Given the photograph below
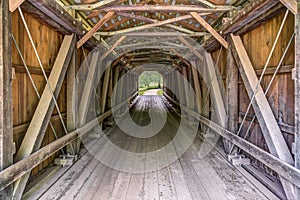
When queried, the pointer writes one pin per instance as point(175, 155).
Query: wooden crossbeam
point(210, 29)
point(40, 120)
point(158, 8)
point(87, 36)
point(186, 43)
point(268, 124)
point(112, 47)
point(147, 26)
point(291, 5)
point(14, 4)
point(90, 6)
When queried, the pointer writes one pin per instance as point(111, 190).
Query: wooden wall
point(258, 44)
point(25, 100)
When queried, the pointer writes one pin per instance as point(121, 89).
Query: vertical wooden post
point(105, 88)
point(197, 86)
point(72, 101)
point(6, 133)
point(297, 93)
point(232, 88)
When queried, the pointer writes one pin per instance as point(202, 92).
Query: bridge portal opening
point(150, 83)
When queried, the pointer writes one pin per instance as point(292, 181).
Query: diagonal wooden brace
point(40, 120)
point(262, 109)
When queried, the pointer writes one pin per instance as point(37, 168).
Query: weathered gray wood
point(160, 8)
point(6, 126)
point(95, 28)
point(22, 167)
point(271, 131)
point(210, 29)
point(216, 92)
point(40, 120)
point(72, 101)
point(88, 89)
point(232, 89)
point(105, 88)
point(297, 94)
point(197, 86)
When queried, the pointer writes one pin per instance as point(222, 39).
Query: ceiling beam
point(186, 43)
point(291, 5)
point(166, 34)
point(143, 27)
point(149, 20)
point(112, 47)
point(158, 8)
point(87, 36)
point(210, 29)
point(90, 6)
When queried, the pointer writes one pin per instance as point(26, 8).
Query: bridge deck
point(189, 177)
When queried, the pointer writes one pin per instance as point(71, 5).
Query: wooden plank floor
point(189, 177)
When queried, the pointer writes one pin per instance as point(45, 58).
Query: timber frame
point(128, 41)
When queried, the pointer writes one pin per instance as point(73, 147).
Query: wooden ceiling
point(150, 25)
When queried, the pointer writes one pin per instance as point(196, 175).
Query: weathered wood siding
point(258, 43)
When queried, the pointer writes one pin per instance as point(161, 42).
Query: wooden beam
point(88, 89)
point(23, 127)
point(158, 8)
point(104, 55)
point(210, 29)
point(297, 94)
point(186, 43)
point(150, 20)
point(248, 14)
point(271, 131)
point(40, 120)
point(216, 90)
point(197, 85)
point(147, 26)
point(232, 91)
point(72, 102)
point(105, 88)
point(291, 5)
point(14, 4)
point(22, 167)
point(6, 123)
point(97, 26)
point(90, 6)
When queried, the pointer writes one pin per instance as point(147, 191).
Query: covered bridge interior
point(74, 126)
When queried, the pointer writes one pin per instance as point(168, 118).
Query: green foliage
point(151, 79)
point(160, 92)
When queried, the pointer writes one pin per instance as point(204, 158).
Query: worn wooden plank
point(72, 101)
point(105, 54)
point(232, 89)
point(160, 8)
point(271, 131)
point(6, 123)
point(190, 46)
point(297, 94)
point(197, 86)
point(216, 89)
point(95, 28)
point(88, 89)
point(38, 125)
point(147, 26)
point(210, 29)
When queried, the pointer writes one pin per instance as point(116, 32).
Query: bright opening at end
point(150, 83)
